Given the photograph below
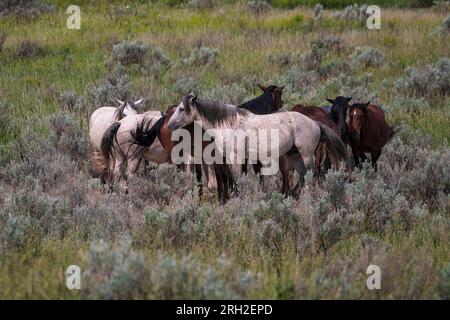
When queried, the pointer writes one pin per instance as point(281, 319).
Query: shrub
point(2, 39)
point(234, 94)
point(201, 57)
point(201, 4)
point(14, 232)
point(187, 278)
point(185, 84)
point(158, 61)
point(127, 53)
point(25, 8)
point(259, 7)
point(444, 28)
point(68, 100)
point(434, 79)
point(318, 8)
point(162, 183)
point(353, 12)
point(367, 57)
point(115, 85)
point(114, 273)
point(444, 283)
point(29, 49)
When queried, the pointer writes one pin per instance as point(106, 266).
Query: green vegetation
point(258, 245)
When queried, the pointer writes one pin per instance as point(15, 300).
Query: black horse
point(338, 113)
point(268, 102)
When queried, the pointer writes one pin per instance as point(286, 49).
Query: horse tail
point(107, 145)
point(144, 137)
point(335, 147)
point(98, 161)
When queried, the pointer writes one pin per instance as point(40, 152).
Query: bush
point(187, 278)
point(29, 49)
point(201, 4)
point(443, 29)
point(2, 39)
point(115, 85)
point(25, 8)
point(432, 80)
point(353, 12)
point(127, 53)
point(159, 61)
point(201, 57)
point(68, 100)
point(367, 57)
point(233, 94)
point(114, 273)
point(259, 7)
point(185, 84)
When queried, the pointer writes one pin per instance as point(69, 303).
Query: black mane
point(263, 104)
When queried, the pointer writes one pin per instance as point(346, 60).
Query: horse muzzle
point(173, 126)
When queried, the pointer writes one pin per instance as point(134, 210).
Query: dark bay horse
point(368, 131)
point(268, 102)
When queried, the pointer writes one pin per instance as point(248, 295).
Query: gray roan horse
point(99, 122)
point(116, 146)
point(297, 134)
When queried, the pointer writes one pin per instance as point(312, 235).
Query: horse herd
point(308, 138)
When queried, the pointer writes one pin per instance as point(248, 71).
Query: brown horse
point(319, 115)
point(368, 131)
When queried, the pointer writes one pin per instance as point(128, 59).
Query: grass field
point(164, 242)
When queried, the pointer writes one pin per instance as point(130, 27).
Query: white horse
point(295, 142)
point(99, 122)
point(120, 155)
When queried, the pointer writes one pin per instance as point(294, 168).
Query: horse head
point(356, 119)
point(338, 114)
point(183, 115)
point(277, 101)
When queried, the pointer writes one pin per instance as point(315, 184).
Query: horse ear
point(138, 101)
point(349, 99)
point(281, 88)
point(193, 98)
point(330, 101)
point(366, 105)
point(120, 101)
point(263, 88)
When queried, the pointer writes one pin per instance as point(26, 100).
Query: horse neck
point(260, 105)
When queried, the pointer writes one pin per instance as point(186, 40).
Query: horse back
point(377, 126)
point(317, 114)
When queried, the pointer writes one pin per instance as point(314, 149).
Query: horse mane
point(216, 113)
point(118, 114)
point(262, 104)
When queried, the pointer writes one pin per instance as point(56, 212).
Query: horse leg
point(114, 176)
point(284, 169)
point(375, 155)
point(356, 157)
point(219, 181)
point(198, 175)
point(244, 167)
point(132, 168)
point(257, 169)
